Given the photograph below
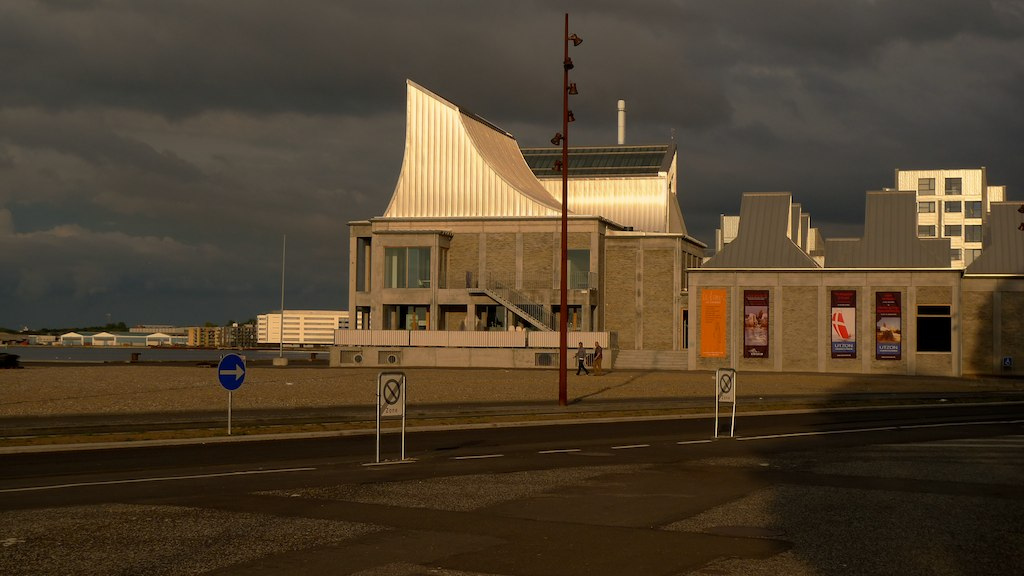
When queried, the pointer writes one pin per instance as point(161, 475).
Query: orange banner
point(712, 323)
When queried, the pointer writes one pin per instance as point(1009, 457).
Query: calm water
point(123, 354)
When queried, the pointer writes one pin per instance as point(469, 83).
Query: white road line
point(685, 442)
point(155, 479)
point(820, 433)
point(563, 451)
point(481, 456)
point(879, 429)
point(630, 446)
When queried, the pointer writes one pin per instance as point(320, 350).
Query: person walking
point(581, 358)
point(598, 354)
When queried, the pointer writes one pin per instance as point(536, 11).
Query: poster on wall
point(844, 323)
point(712, 323)
point(755, 323)
point(888, 328)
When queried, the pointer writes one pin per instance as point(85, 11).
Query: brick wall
point(538, 260)
point(799, 340)
point(501, 256)
point(658, 315)
point(463, 256)
point(621, 294)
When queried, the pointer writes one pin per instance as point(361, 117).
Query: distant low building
point(301, 327)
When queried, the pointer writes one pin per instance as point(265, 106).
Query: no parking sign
point(390, 402)
point(725, 391)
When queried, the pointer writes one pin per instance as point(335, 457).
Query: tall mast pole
point(563, 305)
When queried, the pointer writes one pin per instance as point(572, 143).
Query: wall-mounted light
point(557, 139)
point(570, 117)
point(572, 89)
point(557, 167)
point(568, 64)
point(576, 40)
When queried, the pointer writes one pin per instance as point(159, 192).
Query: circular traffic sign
point(725, 383)
point(231, 371)
point(392, 391)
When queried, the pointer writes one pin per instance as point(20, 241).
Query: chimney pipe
point(622, 122)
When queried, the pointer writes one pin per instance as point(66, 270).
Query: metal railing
point(502, 290)
point(351, 338)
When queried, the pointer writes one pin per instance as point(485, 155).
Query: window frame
point(935, 328)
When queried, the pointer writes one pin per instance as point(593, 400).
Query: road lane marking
point(685, 442)
point(818, 433)
point(478, 457)
point(630, 446)
point(562, 451)
point(879, 429)
point(154, 479)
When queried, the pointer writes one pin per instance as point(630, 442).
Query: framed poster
point(755, 323)
point(888, 326)
point(712, 323)
point(844, 323)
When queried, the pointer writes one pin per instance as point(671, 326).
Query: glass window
point(934, 329)
point(972, 209)
point(954, 255)
point(954, 186)
point(971, 254)
point(579, 269)
point(952, 207)
point(926, 231)
point(952, 230)
point(972, 233)
point(926, 208)
point(926, 186)
point(363, 264)
point(407, 267)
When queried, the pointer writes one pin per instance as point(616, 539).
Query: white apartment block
point(301, 327)
point(952, 204)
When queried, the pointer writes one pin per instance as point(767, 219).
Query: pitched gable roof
point(763, 239)
point(890, 237)
point(459, 165)
point(1004, 242)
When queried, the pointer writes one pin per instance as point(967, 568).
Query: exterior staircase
point(651, 360)
point(536, 314)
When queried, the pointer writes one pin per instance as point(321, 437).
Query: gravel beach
point(53, 389)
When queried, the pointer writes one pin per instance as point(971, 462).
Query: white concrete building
point(952, 204)
point(301, 327)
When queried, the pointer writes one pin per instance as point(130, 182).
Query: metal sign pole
point(717, 396)
point(229, 412)
point(403, 419)
point(378, 421)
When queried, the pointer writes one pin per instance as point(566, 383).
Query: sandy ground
point(41, 390)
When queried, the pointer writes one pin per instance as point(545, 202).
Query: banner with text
point(888, 326)
point(712, 323)
point(755, 323)
point(844, 323)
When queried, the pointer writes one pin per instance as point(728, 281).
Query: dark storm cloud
point(153, 154)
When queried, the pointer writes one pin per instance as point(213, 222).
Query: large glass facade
point(407, 267)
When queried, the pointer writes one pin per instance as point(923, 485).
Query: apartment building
point(954, 204)
point(301, 327)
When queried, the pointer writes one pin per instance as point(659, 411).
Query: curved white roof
point(459, 165)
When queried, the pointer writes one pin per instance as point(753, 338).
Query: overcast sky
point(154, 154)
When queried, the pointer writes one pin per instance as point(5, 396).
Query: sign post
point(390, 402)
point(725, 391)
point(231, 374)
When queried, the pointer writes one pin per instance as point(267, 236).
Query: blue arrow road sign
point(231, 371)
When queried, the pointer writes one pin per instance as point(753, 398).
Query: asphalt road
point(910, 491)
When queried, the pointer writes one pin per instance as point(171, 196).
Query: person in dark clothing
point(581, 357)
